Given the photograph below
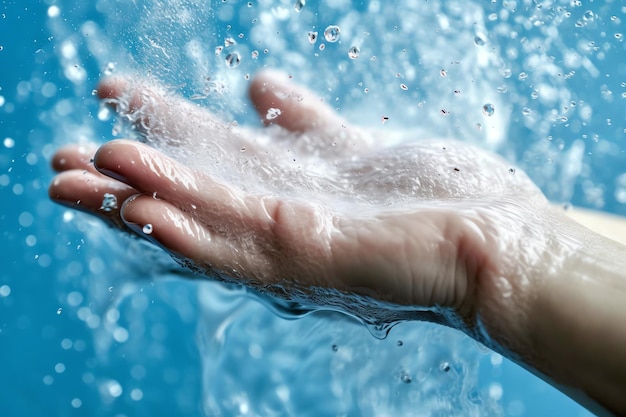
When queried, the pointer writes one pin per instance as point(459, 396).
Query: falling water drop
point(233, 60)
point(331, 33)
point(354, 52)
point(299, 5)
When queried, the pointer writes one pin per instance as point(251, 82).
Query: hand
point(428, 223)
point(312, 202)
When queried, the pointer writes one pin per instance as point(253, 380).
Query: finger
point(147, 170)
point(183, 235)
point(91, 193)
point(160, 115)
point(151, 172)
point(280, 101)
point(75, 157)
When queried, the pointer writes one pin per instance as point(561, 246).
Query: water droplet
point(233, 60)
point(522, 76)
point(445, 366)
point(618, 36)
point(335, 348)
point(511, 170)
point(299, 5)
point(254, 54)
point(400, 343)
point(272, 113)
point(488, 109)
point(506, 73)
point(219, 49)
point(588, 15)
point(228, 42)
point(354, 52)
point(479, 40)
point(147, 229)
point(443, 73)
point(312, 37)
point(59, 311)
point(405, 377)
point(384, 119)
point(109, 68)
point(109, 202)
point(404, 87)
point(331, 33)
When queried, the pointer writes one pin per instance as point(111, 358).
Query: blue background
point(51, 360)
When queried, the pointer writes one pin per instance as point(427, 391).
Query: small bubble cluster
point(272, 113)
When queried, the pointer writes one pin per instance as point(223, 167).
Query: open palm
point(312, 202)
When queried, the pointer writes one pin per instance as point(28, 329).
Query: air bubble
point(335, 348)
point(109, 202)
point(299, 5)
point(443, 73)
point(254, 54)
point(312, 37)
point(354, 52)
point(59, 311)
point(233, 60)
point(331, 33)
point(488, 109)
point(444, 367)
point(147, 229)
point(404, 87)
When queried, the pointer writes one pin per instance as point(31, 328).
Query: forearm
point(577, 322)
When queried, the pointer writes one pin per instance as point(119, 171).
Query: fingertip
point(73, 157)
point(111, 87)
point(106, 159)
